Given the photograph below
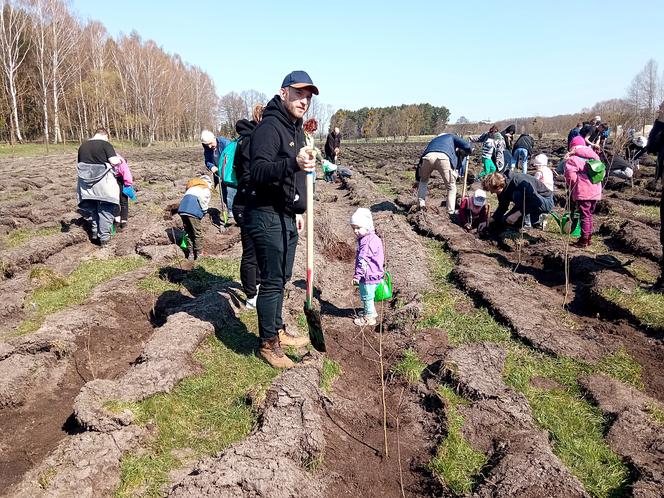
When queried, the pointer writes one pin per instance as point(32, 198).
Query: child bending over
point(193, 207)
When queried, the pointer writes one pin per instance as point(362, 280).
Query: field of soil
point(486, 353)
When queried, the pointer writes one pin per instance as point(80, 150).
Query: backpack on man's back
point(227, 172)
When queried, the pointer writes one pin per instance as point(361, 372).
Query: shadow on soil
point(327, 307)
point(229, 329)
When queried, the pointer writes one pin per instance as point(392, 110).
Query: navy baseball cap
point(299, 79)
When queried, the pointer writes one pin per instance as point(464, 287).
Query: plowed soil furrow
point(42, 415)
point(44, 371)
point(123, 344)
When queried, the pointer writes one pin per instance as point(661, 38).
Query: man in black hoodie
point(280, 160)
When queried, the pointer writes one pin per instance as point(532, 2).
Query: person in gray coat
point(98, 191)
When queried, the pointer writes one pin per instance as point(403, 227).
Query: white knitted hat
point(362, 218)
point(540, 160)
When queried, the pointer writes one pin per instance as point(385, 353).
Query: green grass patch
point(656, 414)
point(651, 212)
point(206, 273)
point(203, 414)
point(73, 289)
point(647, 307)
point(576, 428)
point(43, 276)
point(386, 190)
point(456, 463)
point(331, 370)
point(20, 236)
point(410, 367)
point(40, 149)
point(642, 273)
point(302, 324)
point(156, 284)
point(151, 207)
point(37, 149)
point(441, 307)
point(45, 477)
point(620, 365)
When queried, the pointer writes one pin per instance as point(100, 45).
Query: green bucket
point(384, 288)
point(568, 223)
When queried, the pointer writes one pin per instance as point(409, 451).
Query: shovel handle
point(310, 238)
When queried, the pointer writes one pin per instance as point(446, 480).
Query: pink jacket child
point(584, 193)
point(369, 263)
point(126, 182)
point(122, 170)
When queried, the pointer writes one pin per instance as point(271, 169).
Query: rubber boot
point(583, 241)
point(287, 339)
point(272, 353)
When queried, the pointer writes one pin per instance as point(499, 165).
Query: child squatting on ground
point(369, 263)
point(473, 212)
point(193, 207)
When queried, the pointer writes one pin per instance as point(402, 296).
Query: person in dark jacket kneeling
point(530, 196)
point(280, 161)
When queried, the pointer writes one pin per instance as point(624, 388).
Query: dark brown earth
point(122, 343)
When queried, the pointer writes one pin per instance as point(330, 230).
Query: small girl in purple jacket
point(369, 262)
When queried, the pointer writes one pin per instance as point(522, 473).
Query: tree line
point(62, 78)
point(636, 109)
point(394, 121)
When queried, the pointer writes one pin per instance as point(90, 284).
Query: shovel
point(310, 311)
point(224, 208)
point(465, 179)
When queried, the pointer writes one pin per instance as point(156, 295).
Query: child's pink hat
point(576, 141)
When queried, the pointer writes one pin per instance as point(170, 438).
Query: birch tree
point(13, 50)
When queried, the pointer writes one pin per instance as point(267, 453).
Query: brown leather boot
point(272, 353)
point(289, 339)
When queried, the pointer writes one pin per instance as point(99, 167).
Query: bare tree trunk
point(57, 134)
point(13, 30)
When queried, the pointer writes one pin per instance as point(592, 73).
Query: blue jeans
point(520, 154)
point(367, 294)
point(228, 194)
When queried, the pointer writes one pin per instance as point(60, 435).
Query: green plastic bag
point(596, 170)
point(329, 167)
point(184, 243)
point(384, 288)
point(568, 222)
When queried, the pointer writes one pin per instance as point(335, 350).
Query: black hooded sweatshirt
point(524, 141)
point(244, 129)
point(279, 183)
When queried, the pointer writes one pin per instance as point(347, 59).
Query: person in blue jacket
point(442, 155)
point(212, 148)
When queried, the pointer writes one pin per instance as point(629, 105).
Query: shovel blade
point(315, 325)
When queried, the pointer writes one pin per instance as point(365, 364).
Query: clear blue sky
point(481, 59)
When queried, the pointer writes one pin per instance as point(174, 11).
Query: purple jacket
point(370, 259)
point(577, 178)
